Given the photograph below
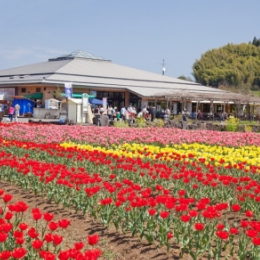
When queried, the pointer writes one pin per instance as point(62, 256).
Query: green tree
point(232, 65)
point(256, 41)
point(185, 78)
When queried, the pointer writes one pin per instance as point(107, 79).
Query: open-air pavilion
point(243, 105)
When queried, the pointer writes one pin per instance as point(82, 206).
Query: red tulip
point(19, 253)
point(17, 234)
point(64, 223)
point(236, 207)
point(251, 233)
point(185, 218)
point(193, 213)
point(19, 240)
point(256, 241)
point(32, 233)
point(249, 213)
point(37, 244)
point(222, 235)
point(199, 226)
point(53, 226)
point(152, 212)
point(92, 254)
point(169, 235)
point(48, 216)
point(5, 255)
point(164, 214)
point(3, 237)
point(92, 240)
point(79, 245)
point(106, 201)
point(48, 237)
point(47, 255)
point(181, 192)
point(8, 215)
point(56, 239)
point(7, 227)
point(23, 226)
point(233, 231)
point(220, 226)
point(7, 197)
point(37, 216)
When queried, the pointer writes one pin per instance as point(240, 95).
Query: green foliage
point(140, 122)
point(231, 65)
point(256, 42)
point(249, 128)
point(256, 93)
point(185, 78)
point(158, 122)
point(120, 123)
point(232, 124)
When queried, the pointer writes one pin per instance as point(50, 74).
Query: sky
point(136, 33)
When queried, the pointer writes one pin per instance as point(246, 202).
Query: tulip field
point(191, 194)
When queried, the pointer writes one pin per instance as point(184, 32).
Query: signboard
point(93, 93)
point(84, 102)
point(68, 90)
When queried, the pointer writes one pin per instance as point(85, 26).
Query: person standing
point(123, 113)
point(10, 113)
point(153, 114)
point(110, 112)
point(17, 111)
point(184, 115)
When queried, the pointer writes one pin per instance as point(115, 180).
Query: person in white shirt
point(122, 112)
point(17, 111)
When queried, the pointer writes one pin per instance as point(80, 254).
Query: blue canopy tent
point(95, 101)
point(26, 105)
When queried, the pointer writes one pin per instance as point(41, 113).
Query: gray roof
point(81, 70)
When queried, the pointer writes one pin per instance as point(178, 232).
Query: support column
point(197, 106)
point(253, 111)
point(211, 106)
point(127, 99)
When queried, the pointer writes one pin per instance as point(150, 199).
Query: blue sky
point(136, 33)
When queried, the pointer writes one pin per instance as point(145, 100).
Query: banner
point(104, 102)
point(84, 102)
point(68, 90)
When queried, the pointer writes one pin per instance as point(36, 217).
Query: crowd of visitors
point(130, 113)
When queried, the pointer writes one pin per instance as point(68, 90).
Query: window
point(110, 94)
point(38, 89)
point(23, 90)
point(104, 94)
